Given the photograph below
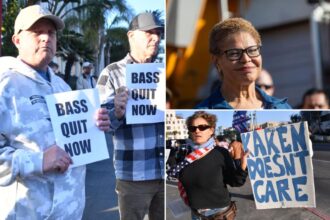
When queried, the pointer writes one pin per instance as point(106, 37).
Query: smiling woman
point(235, 45)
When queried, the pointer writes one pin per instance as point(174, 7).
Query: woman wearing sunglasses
point(204, 173)
point(234, 46)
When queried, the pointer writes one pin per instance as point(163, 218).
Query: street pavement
point(245, 202)
point(101, 198)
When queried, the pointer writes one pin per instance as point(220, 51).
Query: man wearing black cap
point(138, 148)
point(36, 181)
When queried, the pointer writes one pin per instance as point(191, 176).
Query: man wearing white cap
point(86, 80)
point(35, 179)
point(138, 148)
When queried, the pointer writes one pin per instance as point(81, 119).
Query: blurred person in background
point(54, 66)
point(222, 141)
point(265, 82)
point(234, 45)
point(315, 99)
point(86, 80)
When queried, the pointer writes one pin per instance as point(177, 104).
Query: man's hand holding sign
point(280, 166)
point(121, 98)
point(77, 122)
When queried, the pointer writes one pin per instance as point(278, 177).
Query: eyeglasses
point(265, 86)
point(236, 54)
point(200, 127)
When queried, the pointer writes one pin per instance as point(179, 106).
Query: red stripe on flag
point(191, 157)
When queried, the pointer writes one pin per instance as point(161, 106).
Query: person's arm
point(238, 154)
point(234, 176)
point(17, 162)
point(14, 162)
point(79, 83)
point(111, 99)
point(22, 163)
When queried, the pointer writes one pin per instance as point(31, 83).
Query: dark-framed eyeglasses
point(200, 127)
point(236, 54)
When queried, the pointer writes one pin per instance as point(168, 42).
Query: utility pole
point(255, 123)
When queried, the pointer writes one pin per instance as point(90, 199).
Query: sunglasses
point(200, 127)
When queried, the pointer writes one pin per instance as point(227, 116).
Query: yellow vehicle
point(187, 57)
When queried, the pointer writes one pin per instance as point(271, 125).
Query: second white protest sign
point(146, 83)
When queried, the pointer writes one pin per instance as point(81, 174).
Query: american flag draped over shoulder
point(240, 119)
point(200, 152)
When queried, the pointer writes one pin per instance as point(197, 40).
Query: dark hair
point(223, 138)
point(230, 26)
point(52, 64)
point(210, 118)
point(314, 91)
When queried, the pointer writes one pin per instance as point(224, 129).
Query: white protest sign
point(72, 115)
point(146, 83)
point(280, 166)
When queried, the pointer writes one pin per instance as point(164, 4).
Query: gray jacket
point(25, 132)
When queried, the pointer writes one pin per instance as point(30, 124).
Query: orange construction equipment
point(187, 68)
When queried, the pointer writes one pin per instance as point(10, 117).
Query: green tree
point(116, 42)
point(159, 17)
point(89, 19)
point(232, 134)
point(10, 11)
point(85, 24)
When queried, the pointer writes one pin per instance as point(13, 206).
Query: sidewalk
point(101, 198)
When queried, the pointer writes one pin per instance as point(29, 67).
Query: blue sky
point(142, 5)
point(139, 6)
point(225, 117)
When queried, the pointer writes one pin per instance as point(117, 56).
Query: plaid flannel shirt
point(138, 148)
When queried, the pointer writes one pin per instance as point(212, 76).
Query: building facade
point(175, 126)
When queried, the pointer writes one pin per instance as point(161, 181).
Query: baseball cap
point(86, 64)
point(30, 15)
point(144, 22)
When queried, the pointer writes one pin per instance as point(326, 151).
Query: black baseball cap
point(145, 22)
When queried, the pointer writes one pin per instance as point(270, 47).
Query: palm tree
point(116, 42)
point(88, 18)
point(85, 24)
point(10, 11)
point(159, 17)
point(97, 19)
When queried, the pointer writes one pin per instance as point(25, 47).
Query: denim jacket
point(217, 101)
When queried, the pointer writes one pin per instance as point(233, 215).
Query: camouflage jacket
point(25, 132)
